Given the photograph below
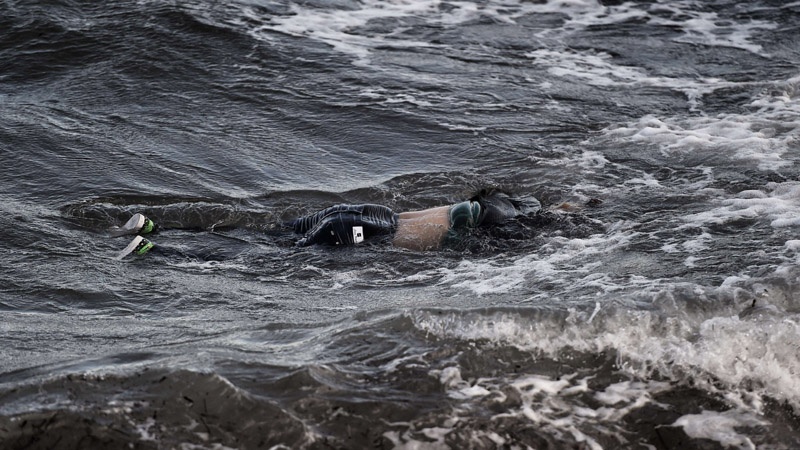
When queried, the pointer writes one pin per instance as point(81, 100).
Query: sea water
point(657, 307)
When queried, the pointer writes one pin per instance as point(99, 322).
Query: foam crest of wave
point(764, 136)
point(750, 357)
point(780, 205)
point(561, 261)
point(338, 26)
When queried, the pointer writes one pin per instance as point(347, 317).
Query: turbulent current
point(654, 303)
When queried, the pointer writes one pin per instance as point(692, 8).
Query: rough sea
point(656, 306)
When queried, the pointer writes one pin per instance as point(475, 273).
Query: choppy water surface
point(665, 317)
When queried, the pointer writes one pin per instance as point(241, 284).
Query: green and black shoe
point(138, 246)
point(137, 224)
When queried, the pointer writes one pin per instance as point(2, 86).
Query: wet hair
point(498, 207)
point(519, 223)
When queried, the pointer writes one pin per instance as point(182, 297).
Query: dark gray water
point(665, 317)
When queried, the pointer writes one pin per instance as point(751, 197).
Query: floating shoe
point(138, 246)
point(138, 224)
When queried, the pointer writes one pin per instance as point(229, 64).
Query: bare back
point(422, 230)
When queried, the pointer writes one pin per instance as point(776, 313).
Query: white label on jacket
point(358, 234)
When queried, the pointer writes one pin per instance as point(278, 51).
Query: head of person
point(519, 223)
point(498, 207)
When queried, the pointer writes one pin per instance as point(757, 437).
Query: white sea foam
point(747, 358)
point(752, 356)
point(764, 136)
point(720, 427)
point(738, 136)
point(560, 261)
point(433, 438)
point(339, 27)
point(596, 69)
point(548, 402)
point(599, 69)
point(451, 378)
point(698, 27)
point(779, 205)
point(335, 26)
point(144, 429)
point(708, 28)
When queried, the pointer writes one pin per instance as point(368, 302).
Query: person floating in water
point(344, 225)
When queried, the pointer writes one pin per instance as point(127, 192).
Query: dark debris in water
point(321, 407)
point(159, 411)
